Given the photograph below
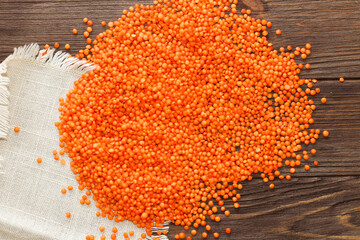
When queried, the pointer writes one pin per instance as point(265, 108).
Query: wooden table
point(323, 203)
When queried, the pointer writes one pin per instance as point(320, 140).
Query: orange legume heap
point(188, 99)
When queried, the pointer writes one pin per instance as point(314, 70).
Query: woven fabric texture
point(31, 203)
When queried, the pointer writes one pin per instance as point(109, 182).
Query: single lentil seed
point(325, 133)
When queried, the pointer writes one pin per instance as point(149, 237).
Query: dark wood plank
point(332, 27)
point(312, 208)
point(323, 203)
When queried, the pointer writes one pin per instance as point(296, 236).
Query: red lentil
point(325, 133)
point(16, 129)
point(164, 99)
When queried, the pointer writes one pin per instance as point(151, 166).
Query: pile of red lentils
point(188, 100)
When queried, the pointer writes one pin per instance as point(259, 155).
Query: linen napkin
point(31, 203)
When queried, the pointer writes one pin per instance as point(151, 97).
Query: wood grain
point(309, 208)
point(332, 27)
point(323, 203)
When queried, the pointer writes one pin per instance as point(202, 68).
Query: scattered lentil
point(325, 133)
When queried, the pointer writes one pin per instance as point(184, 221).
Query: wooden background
point(323, 203)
